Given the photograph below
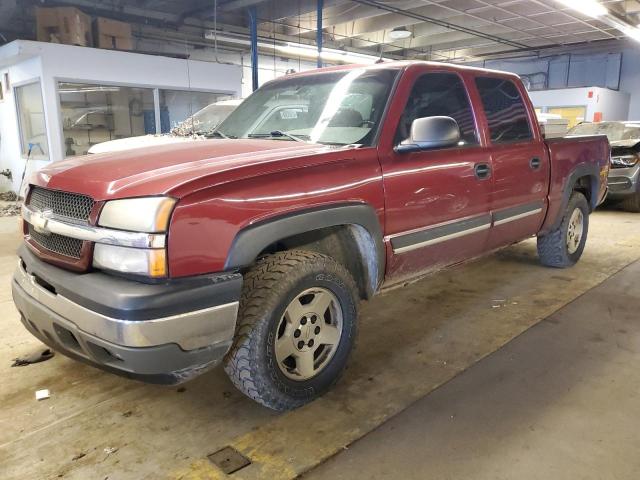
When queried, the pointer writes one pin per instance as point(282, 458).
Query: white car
point(189, 130)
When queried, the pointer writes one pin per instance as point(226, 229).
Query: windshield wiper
point(277, 134)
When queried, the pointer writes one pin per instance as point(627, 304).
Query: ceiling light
point(399, 33)
point(328, 54)
point(591, 8)
point(631, 32)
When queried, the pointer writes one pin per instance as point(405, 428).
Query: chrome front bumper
point(162, 349)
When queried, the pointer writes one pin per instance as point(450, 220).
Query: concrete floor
point(412, 340)
point(559, 401)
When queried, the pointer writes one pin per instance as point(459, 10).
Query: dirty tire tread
point(632, 203)
point(552, 248)
point(262, 291)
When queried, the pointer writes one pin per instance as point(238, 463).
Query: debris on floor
point(8, 196)
point(39, 355)
point(42, 394)
point(110, 450)
point(501, 302)
point(10, 209)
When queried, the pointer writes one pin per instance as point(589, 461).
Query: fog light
point(135, 261)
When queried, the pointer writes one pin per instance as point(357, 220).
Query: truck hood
point(176, 169)
point(625, 143)
point(138, 142)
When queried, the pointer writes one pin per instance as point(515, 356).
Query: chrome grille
point(67, 246)
point(63, 204)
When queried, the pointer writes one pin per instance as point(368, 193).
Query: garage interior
point(496, 368)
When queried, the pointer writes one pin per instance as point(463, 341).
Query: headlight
point(145, 214)
point(134, 261)
point(624, 160)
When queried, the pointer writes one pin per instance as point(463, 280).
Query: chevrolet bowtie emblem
point(40, 221)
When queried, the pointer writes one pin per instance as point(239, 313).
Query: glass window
point(439, 94)
point(98, 113)
point(33, 129)
point(336, 108)
point(505, 110)
point(185, 111)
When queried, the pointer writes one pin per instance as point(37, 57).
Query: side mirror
point(431, 132)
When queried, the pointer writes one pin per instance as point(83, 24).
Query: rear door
point(519, 160)
point(437, 201)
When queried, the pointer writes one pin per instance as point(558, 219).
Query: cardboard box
point(112, 34)
point(63, 25)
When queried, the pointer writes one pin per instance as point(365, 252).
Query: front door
point(437, 201)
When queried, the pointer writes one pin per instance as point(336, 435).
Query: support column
point(253, 28)
point(319, 5)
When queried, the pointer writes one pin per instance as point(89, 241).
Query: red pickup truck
point(255, 247)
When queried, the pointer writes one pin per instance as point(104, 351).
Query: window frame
point(476, 124)
point(16, 100)
point(532, 132)
point(106, 83)
point(60, 115)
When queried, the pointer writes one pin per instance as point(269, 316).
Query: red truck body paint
point(224, 186)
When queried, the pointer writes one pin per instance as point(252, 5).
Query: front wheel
point(296, 329)
point(563, 246)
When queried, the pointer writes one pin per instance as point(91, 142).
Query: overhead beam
point(344, 13)
point(237, 4)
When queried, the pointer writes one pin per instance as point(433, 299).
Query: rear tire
point(563, 246)
point(296, 329)
point(632, 203)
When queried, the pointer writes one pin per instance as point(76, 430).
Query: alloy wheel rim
point(575, 230)
point(308, 333)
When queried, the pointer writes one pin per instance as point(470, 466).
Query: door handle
point(482, 171)
point(534, 163)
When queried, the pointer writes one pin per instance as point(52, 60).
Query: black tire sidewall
point(314, 275)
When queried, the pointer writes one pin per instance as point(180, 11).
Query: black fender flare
point(584, 170)
point(253, 239)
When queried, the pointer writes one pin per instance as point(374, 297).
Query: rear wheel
point(563, 246)
point(632, 203)
point(296, 329)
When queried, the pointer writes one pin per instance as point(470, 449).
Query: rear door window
point(505, 110)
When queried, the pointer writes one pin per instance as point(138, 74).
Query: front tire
point(296, 329)
point(563, 246)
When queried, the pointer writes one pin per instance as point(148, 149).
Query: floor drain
point(229, 460)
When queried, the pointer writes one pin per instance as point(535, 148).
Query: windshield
point(204, 120)
point(615, 131)
point(339, 108)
